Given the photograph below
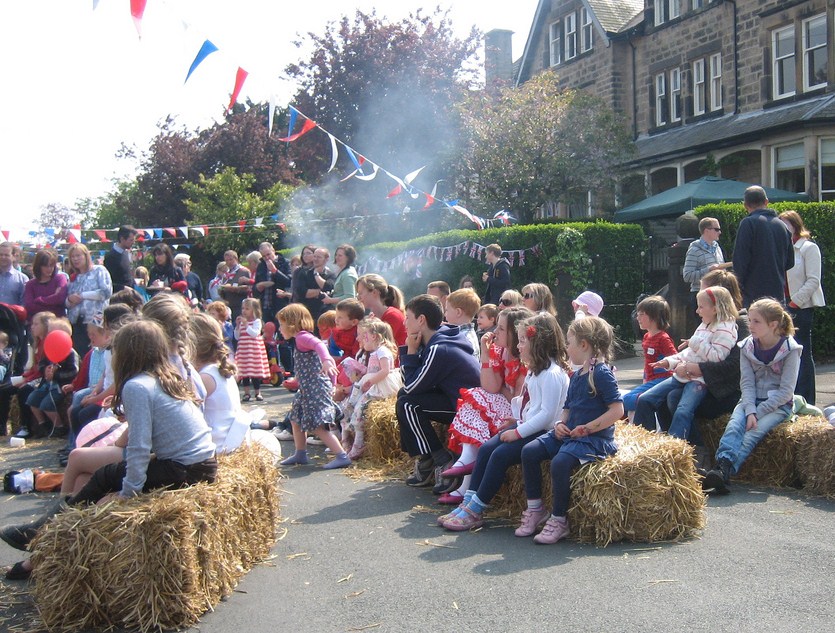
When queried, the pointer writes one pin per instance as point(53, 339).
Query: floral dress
point(313, 403)
point(480, 413)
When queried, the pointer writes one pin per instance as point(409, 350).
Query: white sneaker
point(314, 441)
point(283, 434)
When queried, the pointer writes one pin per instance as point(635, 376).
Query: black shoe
point(19, 536)
point(18, 572)
point(443, 484)
point(726, 467)
point(59, 431)
point(423, 473)
point(714, 482)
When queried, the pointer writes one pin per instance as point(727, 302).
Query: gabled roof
point(614, 15)
point(610, 18)
point(733, 129)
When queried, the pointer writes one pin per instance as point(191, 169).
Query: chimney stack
point(498, 57)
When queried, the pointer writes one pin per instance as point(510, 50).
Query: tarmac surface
point(358, 555)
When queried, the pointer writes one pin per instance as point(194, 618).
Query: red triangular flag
point(395, 192)
point(309, 124)
point(240, 78)
point(242, 224)
point(430, 200)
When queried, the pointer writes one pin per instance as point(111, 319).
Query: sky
point(79, 83)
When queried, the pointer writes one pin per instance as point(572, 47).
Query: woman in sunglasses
point(510, 299)
point(538, 298)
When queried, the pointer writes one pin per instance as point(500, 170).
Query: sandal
point(246, 398)
point(469, 521)
point(18, 572)
point(259, 397)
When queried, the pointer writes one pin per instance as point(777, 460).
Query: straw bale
point(161, 560)
point(648, 491)
point(382, 435)
point(816, 457)
point(774, 462)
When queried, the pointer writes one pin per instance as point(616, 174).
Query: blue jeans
point(803, 335)
point(630, 398)
point(737, 443)
point(491, 464)
point(692, 394)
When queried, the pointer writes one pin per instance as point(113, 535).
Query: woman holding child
point(385, 302)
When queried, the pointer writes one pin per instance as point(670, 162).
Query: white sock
point(464, 485)
point(468, 454)
point(534, 504)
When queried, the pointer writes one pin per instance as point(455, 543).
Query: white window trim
point(774, 151)
point(696, 4)
point(775, 60)
point(675, 95)
point(821, 165)
point(715, 81)
point(570, 36)
point(699, 105)
point(806, 50)
point(555, 42)
point(660, 98)
point(587, 30)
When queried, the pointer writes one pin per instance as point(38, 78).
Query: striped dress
point(251, 353)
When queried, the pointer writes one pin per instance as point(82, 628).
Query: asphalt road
point(358, 555)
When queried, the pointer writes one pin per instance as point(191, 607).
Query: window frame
point(660, 99)
point(675, 95)
point(570, 36)
point(715, 79)
point(586, 30)
point(699, 88)
point(775, 150)
point(821, 166)
point(776, 63)
point(806, 50)
point(555, 41)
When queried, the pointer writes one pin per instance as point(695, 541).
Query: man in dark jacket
point(118, 260)
point(763, 250)
point(437, 361)
point(497, 275)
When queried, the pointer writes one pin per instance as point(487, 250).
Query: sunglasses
point(716, 228)
point(528, 295)
point(506, 302)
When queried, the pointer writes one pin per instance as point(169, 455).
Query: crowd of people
point(168, 376)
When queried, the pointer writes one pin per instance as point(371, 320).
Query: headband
point(709, 293)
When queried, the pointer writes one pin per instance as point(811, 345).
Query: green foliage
point(819, 218)
point(539, 143)
point(604, 257)
point(226, 199)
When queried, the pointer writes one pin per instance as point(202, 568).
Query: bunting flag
point(137, 10)
point(270, 115)
point(205, 50)
point(334, 152)
point(5, 235)
point(240, 78)
point(309, 124)
point(101, 234)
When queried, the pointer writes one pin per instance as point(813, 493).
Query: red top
point(346, 340)
point(655, 348)
point(397, 320)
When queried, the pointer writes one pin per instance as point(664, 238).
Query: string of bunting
point(412, 259)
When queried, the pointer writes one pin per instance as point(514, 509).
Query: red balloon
point(57, 346)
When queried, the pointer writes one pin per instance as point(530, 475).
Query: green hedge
point(601, 256)
point(819, 218)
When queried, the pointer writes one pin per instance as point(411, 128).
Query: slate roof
point(614, 15)
point(733, 129)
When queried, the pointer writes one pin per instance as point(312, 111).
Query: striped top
point(709, 344)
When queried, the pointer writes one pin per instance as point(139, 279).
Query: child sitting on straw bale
point(770, 363)
point(653, 314)
point(712, 341)
point(460, 309)
point(585, 431)
point(542, 350)
point(169, 442)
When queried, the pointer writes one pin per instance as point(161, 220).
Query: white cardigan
point(804, 277)
point(547, 391)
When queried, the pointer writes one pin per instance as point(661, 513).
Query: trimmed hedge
point(819, 218)
point(575, 256)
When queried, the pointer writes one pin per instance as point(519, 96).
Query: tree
point(386, 89)
point(227, 198)
point(56, 216)
point(539, 143)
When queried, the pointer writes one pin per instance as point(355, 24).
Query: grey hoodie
point(772, 384)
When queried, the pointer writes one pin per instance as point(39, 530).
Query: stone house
point(744, 90)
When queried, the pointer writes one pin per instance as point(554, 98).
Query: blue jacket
point(762, 254)
point(446, 363)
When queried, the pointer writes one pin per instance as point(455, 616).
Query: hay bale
point(648, 491)
point(161, 560)
point(382, 434)
point(774, 462)
point(816, 457)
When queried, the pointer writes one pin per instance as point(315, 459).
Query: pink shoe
point(531, 520)
point(555, 529)
point(450, 499)
point(459, 471)
point(469, 521)
point(445, 517)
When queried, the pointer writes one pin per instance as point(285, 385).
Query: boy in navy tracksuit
point(436, 363)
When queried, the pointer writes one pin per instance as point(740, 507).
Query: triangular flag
point(309, 124)
point(395, 192)
point(101, 234)
point(334, 152)
point(199, 230)
point(205, 50)
point(292, 122)
point(240, 78)
point(5, 235)
point(270, 115)
point(171, 231)
point(259, 221)
point(184, 230)
point(411, 176)
point(242, 224)
point(430, 200)
point(137, 9)
point(158, 233)
point(373, 173)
